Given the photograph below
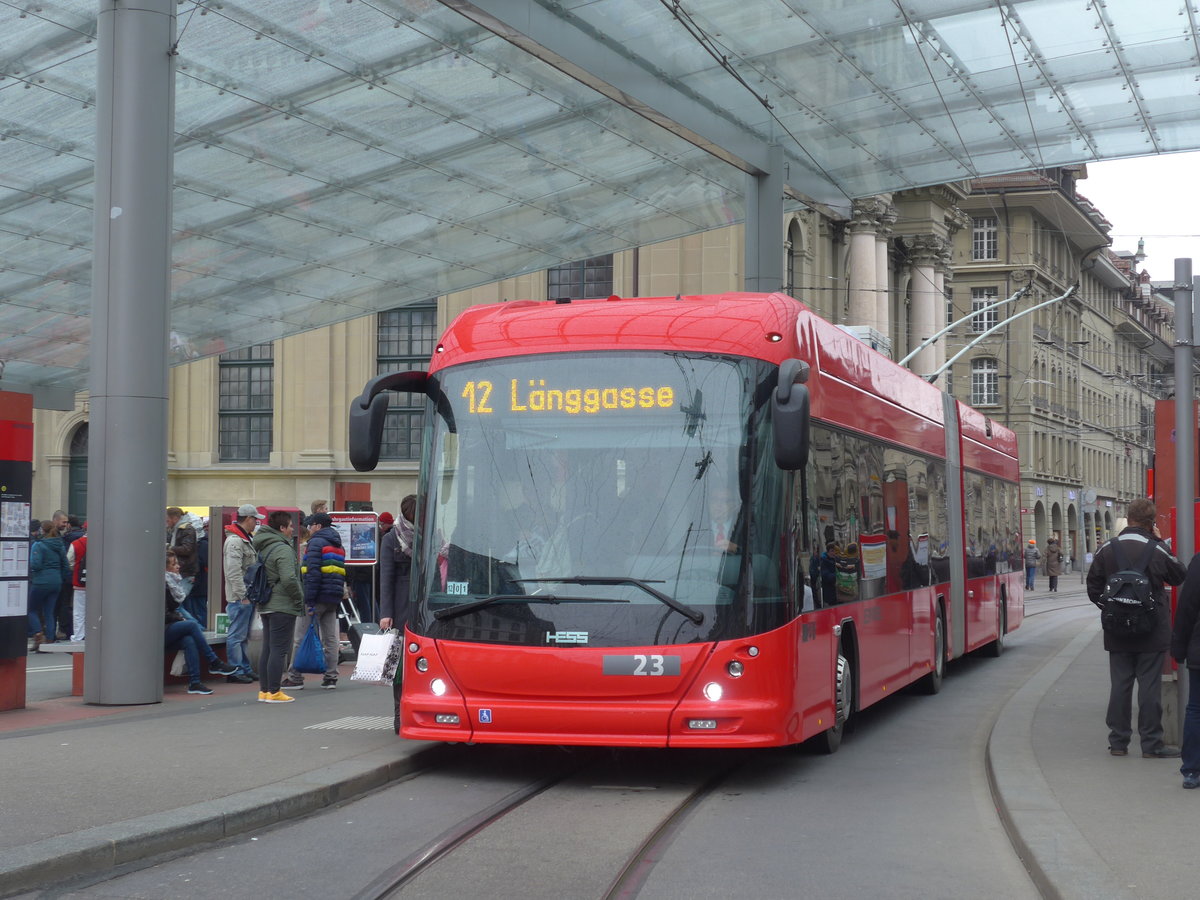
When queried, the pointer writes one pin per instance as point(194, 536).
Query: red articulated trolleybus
point(712, 521)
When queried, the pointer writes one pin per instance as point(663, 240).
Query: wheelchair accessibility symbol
point(485, 717)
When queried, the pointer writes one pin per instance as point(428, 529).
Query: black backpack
point(258, 588)
point(1127, 607)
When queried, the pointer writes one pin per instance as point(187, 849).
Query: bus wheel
point(829, 740)
point(932, 683)
point(996, 647)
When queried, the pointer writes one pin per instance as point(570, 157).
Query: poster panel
point(360, 536)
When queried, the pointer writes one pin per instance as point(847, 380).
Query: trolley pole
point(1185, 440)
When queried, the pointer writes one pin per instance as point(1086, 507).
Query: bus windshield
point(598, 499)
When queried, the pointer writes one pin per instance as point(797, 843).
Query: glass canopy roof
point(339, 157)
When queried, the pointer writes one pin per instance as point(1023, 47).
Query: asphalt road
point(902, 810)
point(47, 676)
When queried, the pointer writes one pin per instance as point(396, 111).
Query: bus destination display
point(534, 395)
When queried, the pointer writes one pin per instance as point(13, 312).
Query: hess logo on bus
point(566, 637)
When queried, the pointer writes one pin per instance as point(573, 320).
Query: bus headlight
point(438, 687)
point(735, 669)
point(713, 691)
point(422, 664)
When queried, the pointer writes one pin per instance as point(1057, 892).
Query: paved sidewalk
point(1088, 825)
point(87, 788)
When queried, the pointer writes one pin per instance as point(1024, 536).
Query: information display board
point(16, 485)
point(359, 532)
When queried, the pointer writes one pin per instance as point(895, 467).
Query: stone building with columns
point(267, 424)
point(1057, 373)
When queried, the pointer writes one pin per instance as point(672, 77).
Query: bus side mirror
point(367, 412)
point(789, 407)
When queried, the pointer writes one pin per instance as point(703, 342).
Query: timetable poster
point(16, 481)
point(358, 531)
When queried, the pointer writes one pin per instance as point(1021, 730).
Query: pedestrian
point(62, 615)
point(183, 633)
point(197, 599)
point(1032, 555)
point(1137, 658)
point(1185, 648)
point(386, 522)
point(274, 541)
point(47, 571)
point(324, 577)
point(77, 560)
point(66, 600)
point(181, 539)
point(317, 506)
point(1054, 563)
point(395, 566)
point(237, 555)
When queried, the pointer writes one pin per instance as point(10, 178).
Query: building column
point(883, 292)
point(864, 220)
point(925, 251)
point(943, 275)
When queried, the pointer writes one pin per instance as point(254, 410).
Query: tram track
point(1084, 602)
point(648, 825)
point(394, 879)
point(636, 871)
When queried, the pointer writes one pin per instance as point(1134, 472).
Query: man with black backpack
point(237, 554)
point(1126, 581)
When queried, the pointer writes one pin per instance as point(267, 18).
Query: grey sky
point(1155, 197)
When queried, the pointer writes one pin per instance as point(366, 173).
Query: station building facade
point(1076, 380)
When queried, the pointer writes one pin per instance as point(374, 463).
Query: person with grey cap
point(237, 555)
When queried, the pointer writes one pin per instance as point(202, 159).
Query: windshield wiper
point(471, 605)
point(694, 614)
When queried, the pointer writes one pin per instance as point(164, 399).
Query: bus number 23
point(479, 396)
point(648, 665)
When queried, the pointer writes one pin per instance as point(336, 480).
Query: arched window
point(985, 382)
point(77, 472)
point(79, 441)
